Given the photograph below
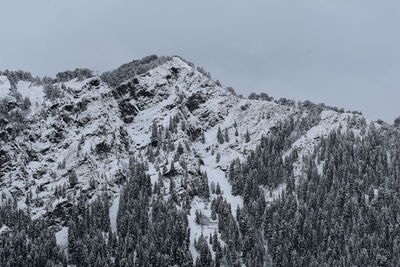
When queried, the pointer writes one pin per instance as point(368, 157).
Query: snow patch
point(5, 86)
point(113, 212)
point(62, 237)
point(33, 92)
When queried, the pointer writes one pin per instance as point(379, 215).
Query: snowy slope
point(33, 92)
point(58, 135)
point(330, 121)
point(5, 86)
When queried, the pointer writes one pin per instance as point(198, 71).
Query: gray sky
point(340, 52)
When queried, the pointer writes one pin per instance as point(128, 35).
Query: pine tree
point(205, 258)
point(218, 189)
point(215, 242)
point(26, 104)
point(199, 217)
point(247, 136)
point(213, 215)
point(290, 185)
point(212, 187)
point(73, 179)
point(218, 157)
point(180, 149)
point(226, 135)
point(220, 137)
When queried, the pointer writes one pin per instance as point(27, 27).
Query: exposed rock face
point(194, 102)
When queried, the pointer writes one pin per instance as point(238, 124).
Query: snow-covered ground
point(5, 86)
point(113, 213)
point(195, 229)
point(62, 238)
point(33, 92)
point(330, 121)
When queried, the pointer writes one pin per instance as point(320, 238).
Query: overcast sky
point(340, 52)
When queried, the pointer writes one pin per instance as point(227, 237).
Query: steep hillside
point(92, 130)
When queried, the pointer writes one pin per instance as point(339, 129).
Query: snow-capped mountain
point(94, 129)
point(62, 140)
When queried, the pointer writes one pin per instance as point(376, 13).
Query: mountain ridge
point(168, 84)
point(64, 141)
